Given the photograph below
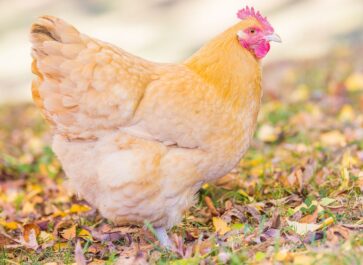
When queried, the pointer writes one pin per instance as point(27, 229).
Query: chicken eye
point(252, 31)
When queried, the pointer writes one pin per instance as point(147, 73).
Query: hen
point(137, 139)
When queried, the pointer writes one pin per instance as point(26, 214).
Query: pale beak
point(273, 37)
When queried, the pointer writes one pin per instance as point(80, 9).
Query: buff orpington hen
point(138, 139)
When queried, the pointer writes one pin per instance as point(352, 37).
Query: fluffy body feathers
point(137, 139)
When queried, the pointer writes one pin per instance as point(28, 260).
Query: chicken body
point(137, 139)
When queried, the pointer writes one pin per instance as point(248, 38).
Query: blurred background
point(171, 30)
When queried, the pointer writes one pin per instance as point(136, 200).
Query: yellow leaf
point(327, 201)
point(220, 226)
point(9, 225)
point(348, 160)
point(60, 246)
point(79, 208)
point(344, 185)
point(85, 234)
point(244, 194)
point(346, 113)
point(302, 259)
point(327, 222)
point(45, 237)
point(58, 213)
point(354, 82)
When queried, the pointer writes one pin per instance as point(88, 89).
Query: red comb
point(250, 12)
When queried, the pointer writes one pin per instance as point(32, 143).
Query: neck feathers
point(231, 69)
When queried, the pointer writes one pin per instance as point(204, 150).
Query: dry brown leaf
point(204, 247)
point(28, 228)
point(32, 242)
point(337, 232)
point(69, 233)
point(276, 220)
point(293, 180)
point(210, 205)
point(310, 218)
point(5, 240)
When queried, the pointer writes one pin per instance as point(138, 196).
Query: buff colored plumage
point(137, 139)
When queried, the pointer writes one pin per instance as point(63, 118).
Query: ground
point(295, 198)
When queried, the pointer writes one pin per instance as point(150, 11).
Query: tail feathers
point(54, 42)
point(48, 28)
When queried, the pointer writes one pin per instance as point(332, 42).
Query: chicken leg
point(162, 236)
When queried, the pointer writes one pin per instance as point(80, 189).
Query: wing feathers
point(82, 85)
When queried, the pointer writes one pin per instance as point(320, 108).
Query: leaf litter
point(295, 198)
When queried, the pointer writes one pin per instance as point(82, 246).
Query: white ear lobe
point(241, 35)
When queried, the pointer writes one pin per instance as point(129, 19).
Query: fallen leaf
point(251, 210)
point(259, 256)
point(310, 218)
point(336, 233)
point(85, 234)
point(303, 228)
point(354, 82)
point(69, 233)
point(31, 242)
point(210, 205)
point(233, 212)
point(5, 240)
point(220, 226)
point(45, 237)
point(59, 246)
point(79, 208)
point(284, 255)
point(303, 259)
point(276, 220)
point(333, 138)
point(78, 254)
point(294, 179)
point(28, 228)
point(204, 247)
point(344, 185)
point(9, 225)
point(327, 201)
point(346, 113)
